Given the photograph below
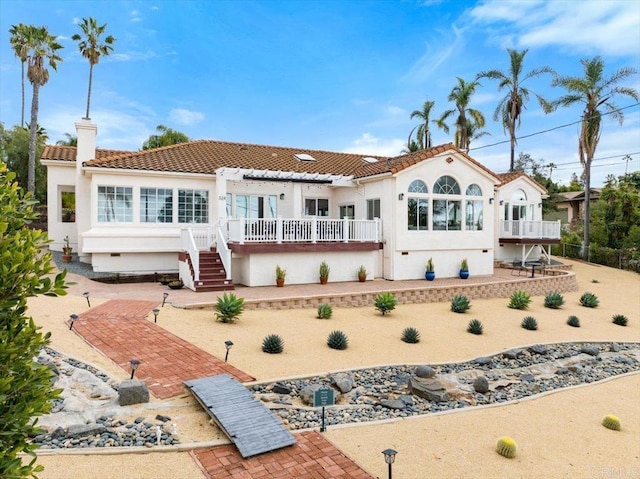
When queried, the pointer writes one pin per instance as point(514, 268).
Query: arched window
point(474, 190)
point(446, 186)
point(418, 186)
point(519, 195)
point(418, 207)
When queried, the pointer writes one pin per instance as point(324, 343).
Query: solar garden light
point(86, 295)
point(134, 365)
point(164, 298)
point(72, 318)
point(389, 458)
point(155, 315)
point(228, 345)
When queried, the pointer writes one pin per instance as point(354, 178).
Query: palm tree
point(91, 47)
point(166, 137)
point(552, 166)
point(42, 50)
point(509, 109)
point(461, 96)
point(19, 43)
point(472, 132)
point(71, 140)
point(423, 134)
point(596, 93)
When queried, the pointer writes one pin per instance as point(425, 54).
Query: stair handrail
point(221, 245)
point(189, 245)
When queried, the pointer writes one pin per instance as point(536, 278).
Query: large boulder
point(132, 392)
point(84, 430)
point(429, 389)
point(343, 381)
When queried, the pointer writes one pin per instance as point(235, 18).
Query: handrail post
point(314, 230)
point(242, 228)
point(345, 230)
point(279, 230)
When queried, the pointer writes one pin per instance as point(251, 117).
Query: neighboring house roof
point(579, 195)
point(68, 153)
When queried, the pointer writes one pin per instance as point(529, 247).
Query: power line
point(551, 129)
point(597, 159)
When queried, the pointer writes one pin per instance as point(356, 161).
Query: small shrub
point(272, 344)
point(460, 304)
point(324, 311)
point(595, 281)
point(411, 335)
point(385, 302)
point(620, 319)
point(573, 321)
point(611, 422)
point(589, 300)
point(519, 300)
point(337, 340)
point(553, 300)
point(475, 327)
point(530, 323)
point(506, 447)
point(229, 308)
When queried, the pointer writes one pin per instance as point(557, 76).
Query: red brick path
point(119, 329)
point(313, 457)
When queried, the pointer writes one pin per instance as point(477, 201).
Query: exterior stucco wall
point(60, 177)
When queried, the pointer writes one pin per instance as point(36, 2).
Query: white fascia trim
point(125, 172)
point(237, 174)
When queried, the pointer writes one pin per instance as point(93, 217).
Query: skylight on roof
point(303, 157)
point(368, 159)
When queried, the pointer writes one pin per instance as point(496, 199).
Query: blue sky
point(331, 75)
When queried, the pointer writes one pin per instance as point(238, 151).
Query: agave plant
point(589, 300)
point(272, 344)
point(460, 304)
point(475, 327)
point(337, 340)
point(324, 311)
point(553, 300)
point(229, 308)
point(573, 321)
point(410, 335)
point(620, 319)
point(530, 323)
point(385, 302)
point(519, 300)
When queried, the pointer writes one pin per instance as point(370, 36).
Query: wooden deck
point(252, 427)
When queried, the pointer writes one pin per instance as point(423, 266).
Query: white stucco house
point(222, 213)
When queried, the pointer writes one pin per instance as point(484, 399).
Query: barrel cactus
point(385, 302)
point(553, 300)
point(573, 321)
point(324, 311)
point(272, 344)
point(589, 300)
point(475, 327)
point(506, 447)
point(519, 300)
point(337, 340)
point(460, 304)
point(611, 422)
point(620, 319)
point(530, 323)
point(410, 335)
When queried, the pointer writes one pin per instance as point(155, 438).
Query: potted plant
point(66, 251)
point(324, 272)
point(164, 280)
point(176, 284)
point(280, 275)
point(429, 273)
point(464, 269)
point(362, 273)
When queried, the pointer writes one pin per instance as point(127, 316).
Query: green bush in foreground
point(475, 327)
point(589, 300)
point(530, 323)
point(620, 319)
point(229, 308)
point(573, 321)
point(553, 300)
point(324, 311)
point(460, 304)
point(337, 340)
point(519, 300)
point(410, 335)
point(272, 344)
point(385, 302)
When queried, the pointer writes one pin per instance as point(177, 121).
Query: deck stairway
point(213, 276)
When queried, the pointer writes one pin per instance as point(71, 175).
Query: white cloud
point(132, 56)
point(135, 16)
point(370, 145)
point(435, 55)
point(185, 117)
point(75, 21)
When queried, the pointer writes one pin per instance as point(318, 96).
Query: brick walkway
point(118, 329)
point(313, 457)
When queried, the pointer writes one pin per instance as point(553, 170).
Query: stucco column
point(221, 195)
point(86, 150)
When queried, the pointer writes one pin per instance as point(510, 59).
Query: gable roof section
point(206, 156)
point(68, 153)
point(514, 175)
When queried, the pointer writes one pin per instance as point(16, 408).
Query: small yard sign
point(323, 397)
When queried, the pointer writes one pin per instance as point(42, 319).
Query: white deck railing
point(304, 230)
point(530, 229)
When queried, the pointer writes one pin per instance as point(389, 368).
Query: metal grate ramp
point(251, 426)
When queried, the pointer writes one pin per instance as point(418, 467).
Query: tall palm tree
point(42, 50)
point(595, 93)
point(472, 132)
point(423, 134)
point(91, 47)
point(509, 109)
point(19, 42)
point(461, 95)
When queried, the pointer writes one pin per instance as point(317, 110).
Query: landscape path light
point(155, 314)
point(86, 295)
point(72, 318)
point(134, 365)
point(228, 345)
point(164, 298)
point(389, 458)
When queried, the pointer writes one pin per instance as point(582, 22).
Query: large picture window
point(248, 206)
point(316, 207)
point(193, 206)
point(418, 214)
point(447, 212)
point(156, 205)
point(115, 204)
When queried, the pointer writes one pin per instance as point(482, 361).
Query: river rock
point(539, 349)
point(513, 353)
point(392, 403)
point(425, 371)
point(428, 388)
point(590, 350)
point(481, 385)
point(343, 381)
point(83, 430)
point(280, 388)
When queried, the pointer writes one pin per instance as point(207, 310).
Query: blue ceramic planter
point(429, 275)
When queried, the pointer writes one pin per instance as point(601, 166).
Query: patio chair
point(517, 267)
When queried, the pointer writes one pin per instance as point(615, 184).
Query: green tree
point(92, 48)
point(423, 134)
point(43, 49)
point(14, 148)
point(70, 140)
point(19, 43)
point(595, 93)
point(461, 96)
point(472, 132)
point(165, 137)
point(509, 109)
point(615, 213)
point(26, 388)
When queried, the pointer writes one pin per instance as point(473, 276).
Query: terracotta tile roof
point(68, 153)
point(205, 156)
point(514, 175)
